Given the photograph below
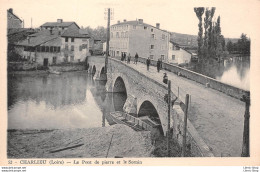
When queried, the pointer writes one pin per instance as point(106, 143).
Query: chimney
point(124, 20)
point(51, 31)
point(158, 25)
point(10, 10)
point(118, 22)
point(140, 21)
point(59, 20)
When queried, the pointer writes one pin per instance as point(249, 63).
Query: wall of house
point(40, 56)
point(181, 56)
point(13, 22)
point(79, 56)
point(139, 40)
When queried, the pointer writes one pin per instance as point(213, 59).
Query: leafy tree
point(199, 12)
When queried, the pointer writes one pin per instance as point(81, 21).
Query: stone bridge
point(145, 97)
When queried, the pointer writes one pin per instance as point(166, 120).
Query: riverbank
point(112, 141)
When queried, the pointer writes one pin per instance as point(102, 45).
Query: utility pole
point(108, 37)
point(185, 126)
point(169, 117)
point(246, 143)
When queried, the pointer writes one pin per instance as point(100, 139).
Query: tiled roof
point(37, 40)
point(135, 22)
point(75, 33)
point(54, 42)
point(58, 24)
point(177, 45)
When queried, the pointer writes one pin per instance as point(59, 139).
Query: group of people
point(159, 64)
point(128, 59)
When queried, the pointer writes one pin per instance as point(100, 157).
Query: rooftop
point(58, 24)
point(136, 22)
point(75, 33)
point(10, 11)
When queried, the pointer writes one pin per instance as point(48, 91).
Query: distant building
point(13, 21)
point(138, 37)
point(59, 25)
point(178, 55)
point(54, 45)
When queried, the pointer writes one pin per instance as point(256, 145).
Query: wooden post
point(246, 146)
point(185, 126)
point(178, 92)
point(108, 37)
point(169, 117)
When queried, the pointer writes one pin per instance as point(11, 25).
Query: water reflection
point(236, 73)
point(70, 100)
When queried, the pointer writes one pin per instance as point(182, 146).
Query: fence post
point(169, 117)
point(245, 147)
point(185, 126)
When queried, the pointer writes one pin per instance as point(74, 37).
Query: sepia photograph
point(125, 79)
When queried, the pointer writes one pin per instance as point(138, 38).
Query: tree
point(199, 12)
point(230, 46)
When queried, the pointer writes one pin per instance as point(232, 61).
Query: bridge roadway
point(217, 117)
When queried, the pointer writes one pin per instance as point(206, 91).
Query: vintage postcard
point(129, 83)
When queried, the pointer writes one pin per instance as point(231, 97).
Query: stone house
point(178, 55)
point(13, 21)
point(138, 37)
point(53, 45)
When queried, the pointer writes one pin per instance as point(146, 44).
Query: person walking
point(136, 58)
point(128, 58)
point(148, 61)
point(158, 65)
point(122, 56)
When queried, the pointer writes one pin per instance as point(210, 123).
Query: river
point(237, 73)
point(69, 100)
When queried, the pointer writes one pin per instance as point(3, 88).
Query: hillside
point(191, 40)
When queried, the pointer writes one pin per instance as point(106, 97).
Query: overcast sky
point(237, 16)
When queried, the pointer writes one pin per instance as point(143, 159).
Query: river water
point(69, 100)
point(237, 73)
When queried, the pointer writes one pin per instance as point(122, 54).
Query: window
point(38, 49)
point(145, 27)
point(122, 34)
point(152, 46)
point(71, 58)
point(51, 49)
point(72, 48)
point(66, 47)
point(117, 34)
point(163, 37)
point(66, 58)
point(177, 48)
point(66, 39)
point(151, 56)
point(152, 30)
point(72, 39)
point(162, 57)
point(173, 57)
point(47, 49)
point(153, 36)
point(54, 49)
point(54, 60)
point(42, 49)
point(58, 49)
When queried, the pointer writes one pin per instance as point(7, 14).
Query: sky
point(237, 16)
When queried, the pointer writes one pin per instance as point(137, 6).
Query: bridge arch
point(119, 85)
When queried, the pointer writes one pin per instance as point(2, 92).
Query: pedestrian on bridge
point(128, 58)
point(158, 65)
point(165, 78)
point(136, 58)
point(148, 61)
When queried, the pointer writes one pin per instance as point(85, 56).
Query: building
point(75, 45)
point(138, 37)
point(59, 25)
point(53, 45)
point(13, 21)
point(178, 55)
